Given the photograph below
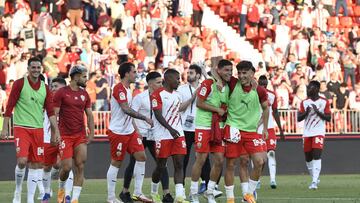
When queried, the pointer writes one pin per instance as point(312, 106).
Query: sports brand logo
point(154, 103)
point(246, 104)
point(122, 96)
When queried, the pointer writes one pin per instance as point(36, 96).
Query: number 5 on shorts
point(200, 134)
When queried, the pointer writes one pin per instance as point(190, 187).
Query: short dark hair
point(315, 83)
point(343, 84)
point(34, 59)
point(152, 75)
point(125, 68)
point(60, 80)
point(77, 69)
point(92, 74)
point(263, 81)
point(323, 81)
point(245, 65)
point(223, 62)
point(169, 72)
point(196, 68)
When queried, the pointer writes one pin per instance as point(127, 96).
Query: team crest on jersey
point(203, 91)
point(82, 98)
point(122, 96)
point(154, 103)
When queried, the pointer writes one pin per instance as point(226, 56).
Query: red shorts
point(203, 145)
point(120, 144)
point(250, 143)
point(29, 142)
point(50, 154)
point(167, 148)
point(271, 141)
point(69, 143)
point(316, 142)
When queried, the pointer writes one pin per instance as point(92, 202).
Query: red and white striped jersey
point(273, 105)
point(217, 46)
point(120, 123)
point(302, 48)
point(169, 104)
point(331, 67)
point(320, 18)
point(186, 6)
point(314, 125)
point(169, 46)
point(198, 54)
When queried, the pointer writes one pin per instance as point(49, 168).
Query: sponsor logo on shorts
point(17, 150)
point(199, 145)
point(272, 142)
point(258, 142)
point(118, 153)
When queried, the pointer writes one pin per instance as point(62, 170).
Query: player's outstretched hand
point(221, 111)
point(308, 109)
point(174, 133)
point(4, 134)
point(55, 139)
point(90, 138)
point(149, 121)
point(265, 134)
point(315, 108)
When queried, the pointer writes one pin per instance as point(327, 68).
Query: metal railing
point(342, 122)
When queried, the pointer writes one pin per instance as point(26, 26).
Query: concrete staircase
point(233, 40)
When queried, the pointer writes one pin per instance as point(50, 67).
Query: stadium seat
point(357, 11)
point(346, 21)
point(333, 22)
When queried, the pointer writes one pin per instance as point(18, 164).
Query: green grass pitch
point(291, 189)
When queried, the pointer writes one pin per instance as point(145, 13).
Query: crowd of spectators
point(300, 41)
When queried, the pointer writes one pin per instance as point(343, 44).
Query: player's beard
point(80, 84)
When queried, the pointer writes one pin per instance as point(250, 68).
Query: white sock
point(229, 191)
point(252, 186)
point(19, 178)
point(31, 184)
point(310, 167)
point(139, 173)
point(272, 165)
point(69, 184)
point(39, 182)
point(154, 188)
point(194, 187)
point(179, 190)
point(111, 181)
point(47, 181)
point(316, 170)
point(211, 186)
point(76, 193)
point(244, 187)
